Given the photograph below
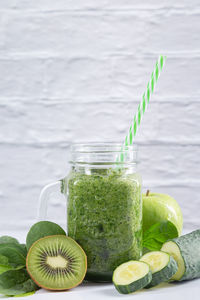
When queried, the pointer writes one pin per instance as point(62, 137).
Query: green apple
point(161, 207)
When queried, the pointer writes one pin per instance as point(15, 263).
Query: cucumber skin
point(189, 246)
point(165, 274)
point(134, 286)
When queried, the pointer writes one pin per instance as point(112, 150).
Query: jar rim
point(102, 153)
point(102, 147)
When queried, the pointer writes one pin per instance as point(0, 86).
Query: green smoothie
point(105, 218)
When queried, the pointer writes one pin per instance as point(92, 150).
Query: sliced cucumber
point(131, 276)
point(186, 251)
point(173, 249)
point(162, 265)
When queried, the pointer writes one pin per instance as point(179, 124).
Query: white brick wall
point(71, 69)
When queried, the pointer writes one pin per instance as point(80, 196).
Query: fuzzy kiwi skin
point(53, 289)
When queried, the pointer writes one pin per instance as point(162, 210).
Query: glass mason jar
point(104, 206)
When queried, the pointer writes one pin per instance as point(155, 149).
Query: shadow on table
point(161, 288)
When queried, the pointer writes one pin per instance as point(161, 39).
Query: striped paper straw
point(129, 139)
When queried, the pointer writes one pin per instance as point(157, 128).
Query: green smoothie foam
point(105, 218)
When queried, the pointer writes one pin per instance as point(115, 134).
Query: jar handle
point(58, 186)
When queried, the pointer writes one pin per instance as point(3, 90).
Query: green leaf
point(15, 254)
point(158, 234)
point(12, 255)
point(8, 239)
point(3, 260)
point(25, 294)
point(5, 265)
point(152, 245)
point(42, 229)
point(23, 249)
point(15, 282)
point(4, 268)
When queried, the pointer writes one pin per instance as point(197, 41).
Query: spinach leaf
point(4, 268)
point(42, 229)
point(10, 242)
point(158, 234)
point(8, 239)
point(14, 279)
point(15, 282)
point(15, 254)
point(3, 260)
point(5, 265)
point(25, 294)
point(23, 249)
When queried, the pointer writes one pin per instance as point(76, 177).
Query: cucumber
point(162, 265)
point(186, 251)
point(131, 276)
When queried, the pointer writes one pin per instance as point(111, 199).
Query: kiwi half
point(56, 262)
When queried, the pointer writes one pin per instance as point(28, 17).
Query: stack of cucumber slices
point(179, 259)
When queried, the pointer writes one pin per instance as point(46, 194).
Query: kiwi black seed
point(56, 262)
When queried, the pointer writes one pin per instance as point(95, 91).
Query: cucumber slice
point(185, 250)
point(172, 248)
point(131, 276)
point(162, 265)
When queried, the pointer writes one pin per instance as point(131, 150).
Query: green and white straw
point(129, 139)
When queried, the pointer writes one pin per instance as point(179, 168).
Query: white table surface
point(188, 290)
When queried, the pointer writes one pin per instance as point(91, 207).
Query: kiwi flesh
point(56, 262)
